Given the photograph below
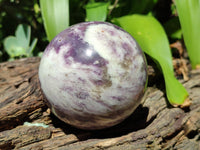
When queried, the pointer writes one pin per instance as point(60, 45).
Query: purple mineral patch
point(83, 52)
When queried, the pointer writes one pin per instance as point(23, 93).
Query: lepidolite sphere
point(93, 75)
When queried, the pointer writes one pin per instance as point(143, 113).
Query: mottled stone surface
point(93, 75)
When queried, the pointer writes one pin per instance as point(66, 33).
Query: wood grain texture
point(154, 124)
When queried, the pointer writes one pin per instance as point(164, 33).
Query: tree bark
point(27, 123)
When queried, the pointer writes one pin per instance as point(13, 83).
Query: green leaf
point(18, 45)
point(23, 35)
point(32, 47)
point(96, 11)
point(153, 40)
point(13, 47)
point(55, 14)
point(40, 54)
point(189, 15)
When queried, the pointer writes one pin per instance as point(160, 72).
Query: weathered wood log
point(20, 94)
point(154, 124)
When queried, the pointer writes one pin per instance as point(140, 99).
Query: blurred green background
point(14, 13)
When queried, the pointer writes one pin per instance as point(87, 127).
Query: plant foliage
point(189, 15)
point(19, 45)
point(55, 15)
point(96, 11)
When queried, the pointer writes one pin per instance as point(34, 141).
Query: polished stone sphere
point(93, 75)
